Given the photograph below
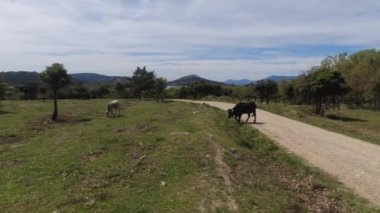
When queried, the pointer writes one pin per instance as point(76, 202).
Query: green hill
point(190, 79)
point(92, 77)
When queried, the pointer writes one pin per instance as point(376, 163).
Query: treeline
point(264, 90)
point(18, 77)
point(37, 90)
point(353, 80)
point(143, 84)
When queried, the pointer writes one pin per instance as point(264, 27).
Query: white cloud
point(181, 37)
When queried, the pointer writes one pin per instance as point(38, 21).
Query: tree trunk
point(55, 113)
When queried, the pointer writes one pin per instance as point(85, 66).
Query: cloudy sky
point(216, 39)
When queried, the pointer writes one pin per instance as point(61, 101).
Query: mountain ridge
point(22, 77)
point(190, 79)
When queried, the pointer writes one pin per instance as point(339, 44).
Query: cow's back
point(245, 107)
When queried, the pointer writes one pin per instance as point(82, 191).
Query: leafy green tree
point(362, 71)
point(326, 86)
point(43, 91)
point(3, 87)
point(55, 77)
point(288, 91)
point(376, 92)
point(81, 92)
point(30, 90)
point(99, 92)
point(182, 92)
point(143, 82)
point(201, 89)
point(159, 88)
point(303, 88)
point(266, 90)
point(120, 89)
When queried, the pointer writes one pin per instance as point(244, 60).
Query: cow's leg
point(239, 119)
point(249, 115)
point(254, 114)
point(113, 112)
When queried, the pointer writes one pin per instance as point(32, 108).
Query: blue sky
point(216, 39)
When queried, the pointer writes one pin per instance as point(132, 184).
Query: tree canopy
point(143, 82)
point(55, 77)
point(266, 89)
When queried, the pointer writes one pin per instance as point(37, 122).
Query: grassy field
point(357, 123)
point(156, 157)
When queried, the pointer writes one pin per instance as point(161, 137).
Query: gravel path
point(354, 162)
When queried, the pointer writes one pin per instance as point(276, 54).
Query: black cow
point(243, 108)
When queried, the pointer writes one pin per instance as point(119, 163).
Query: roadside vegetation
point(156, 157)
point(357, 123)
point(350, 80)
point(342, 94)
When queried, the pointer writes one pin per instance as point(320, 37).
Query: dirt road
point(354, 162)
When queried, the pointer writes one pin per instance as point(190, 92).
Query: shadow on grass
point(81, 120)
point(64, 118)
point(114, 117)
point(345, 119)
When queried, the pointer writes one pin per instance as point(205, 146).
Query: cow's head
point(230, 113)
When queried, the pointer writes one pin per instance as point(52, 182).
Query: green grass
point(87, 162)
point(357, 123)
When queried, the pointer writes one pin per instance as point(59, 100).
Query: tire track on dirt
point(225, 172)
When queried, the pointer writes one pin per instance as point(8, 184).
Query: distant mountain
point(278, 78)
point(190, 79)
point(238, 82)
point(92, 77)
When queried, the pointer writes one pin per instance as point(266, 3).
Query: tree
point(55, 77)
point(266, 89)
point(81, 92)
point(201, 89)
point(376, 91)
point(3, 87)
point(43, 91)
point(326, 86)
point(30, 90)
point(362, 71)
point(143, 82)
point(182, 92)
point(159, 88)
point(99, 92)
point(288, 91)
point(120, 89)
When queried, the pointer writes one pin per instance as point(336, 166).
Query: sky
point(216, 39)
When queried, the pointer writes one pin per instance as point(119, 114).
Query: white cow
point(113, 107)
